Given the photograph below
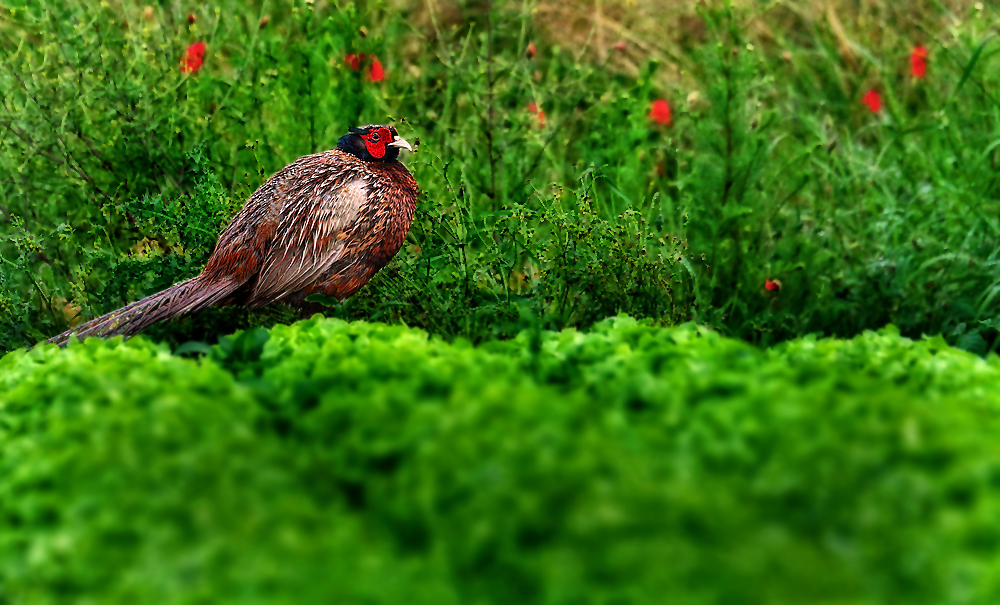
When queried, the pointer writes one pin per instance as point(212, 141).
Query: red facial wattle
point(376, 141)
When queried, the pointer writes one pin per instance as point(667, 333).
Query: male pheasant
point(326, 223)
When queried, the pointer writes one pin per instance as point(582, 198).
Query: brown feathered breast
point(325, 223)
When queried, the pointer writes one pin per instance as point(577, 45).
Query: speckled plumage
point(326, 223)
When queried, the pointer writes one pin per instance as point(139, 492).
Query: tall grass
point(119, 167)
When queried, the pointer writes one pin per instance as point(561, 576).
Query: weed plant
point(549, 196)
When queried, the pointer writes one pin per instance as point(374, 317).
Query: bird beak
point(401, 143)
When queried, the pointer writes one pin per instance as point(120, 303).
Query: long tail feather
point(185, 297)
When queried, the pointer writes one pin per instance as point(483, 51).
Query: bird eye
point(374, 138)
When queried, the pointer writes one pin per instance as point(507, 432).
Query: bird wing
point(312, 232)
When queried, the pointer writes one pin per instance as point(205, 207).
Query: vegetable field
point(352, 462)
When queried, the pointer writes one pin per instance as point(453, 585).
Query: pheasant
point(326, 223)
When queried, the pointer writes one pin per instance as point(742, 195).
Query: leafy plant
point(352, 461)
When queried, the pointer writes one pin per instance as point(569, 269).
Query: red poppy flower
point(532, 108)
point(376, 73)
point(872, 100)
point(191, 18)
point(918, 62)
point(772, 285)
point(531, 50)
point(354, 61)
point(660, 112)
point(193, 58)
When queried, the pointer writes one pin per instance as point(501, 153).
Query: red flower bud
point(193, 58)
point(660, 112)
point(377, 73)
point(535, 109)
point(918, 62)
point(872, 100)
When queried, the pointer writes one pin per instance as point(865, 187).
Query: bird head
point(375, 143)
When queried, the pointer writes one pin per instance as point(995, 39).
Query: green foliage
point(367, 463)
point(330, 461)
point(122, 167)
point(106, 140)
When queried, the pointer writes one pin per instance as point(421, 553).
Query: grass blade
point(971, 64)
